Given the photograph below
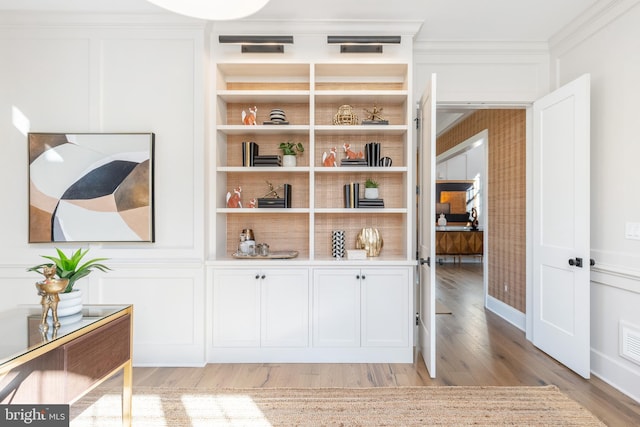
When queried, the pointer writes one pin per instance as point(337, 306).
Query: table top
point(20, 333)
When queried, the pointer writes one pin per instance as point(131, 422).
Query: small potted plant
point(371, 189)
point(289, 152)
point(69, 267)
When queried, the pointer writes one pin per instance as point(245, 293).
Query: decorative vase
point(442, 221)
point(289, 161)
point(371, 193)
point(369, 239)
point(337, 244)
point(70, 307)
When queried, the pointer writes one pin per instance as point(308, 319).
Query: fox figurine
point(329, 159)
point(233, 200)
point(250, 118)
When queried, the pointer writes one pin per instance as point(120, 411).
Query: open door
point(561, 220)
point(426, 229)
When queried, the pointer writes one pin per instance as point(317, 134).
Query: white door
point(426, 221)
point(561, 243)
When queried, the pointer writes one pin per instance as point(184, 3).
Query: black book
point(287, 195)
point(347, 195)
point(271, 203)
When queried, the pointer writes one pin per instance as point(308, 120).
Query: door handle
point(425, 261)
point(577, 262)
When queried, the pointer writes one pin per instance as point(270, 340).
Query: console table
point(60, 366)
point(459, 243)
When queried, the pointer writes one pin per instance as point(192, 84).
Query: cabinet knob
point(363, 277)
point(358, 277)
point(257, 276)
point(263, 276)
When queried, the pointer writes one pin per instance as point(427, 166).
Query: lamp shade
point(213, 10)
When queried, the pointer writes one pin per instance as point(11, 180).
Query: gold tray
point(272, 255)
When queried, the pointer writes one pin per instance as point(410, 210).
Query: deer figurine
point(250, 119)
point(329, 159)
point(233, 200)
point(352, 154)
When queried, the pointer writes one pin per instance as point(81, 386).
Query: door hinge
point(417, 318)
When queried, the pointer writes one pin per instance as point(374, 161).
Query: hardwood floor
point(475, 347)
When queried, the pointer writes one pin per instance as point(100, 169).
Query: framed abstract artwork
point(91, 187)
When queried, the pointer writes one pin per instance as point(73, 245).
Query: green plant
point(69, 268)
point(291, 148)
point(370, 183)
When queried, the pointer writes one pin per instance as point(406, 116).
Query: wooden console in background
point(459, 243)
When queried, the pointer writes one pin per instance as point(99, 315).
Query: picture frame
point(91, 187)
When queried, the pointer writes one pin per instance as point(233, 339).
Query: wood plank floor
point(474, 346)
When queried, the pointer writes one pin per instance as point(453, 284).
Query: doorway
point(503, 214)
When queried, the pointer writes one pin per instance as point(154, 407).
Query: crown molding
point(444, 47)
point(97, 20)
point(315, 27)
point(588, 23)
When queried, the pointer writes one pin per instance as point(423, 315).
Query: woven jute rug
point(381, 406)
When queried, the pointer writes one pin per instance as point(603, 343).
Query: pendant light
point(212, 10)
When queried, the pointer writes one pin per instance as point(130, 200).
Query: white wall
point(140, 76)
point(608, 50)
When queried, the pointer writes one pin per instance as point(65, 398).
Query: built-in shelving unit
point(310, 94)
point(312, 308)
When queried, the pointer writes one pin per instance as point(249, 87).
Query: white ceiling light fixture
point(212, 10)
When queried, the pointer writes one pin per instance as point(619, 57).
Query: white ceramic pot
point(371, 193)
point(288, 161)
point(70, 304)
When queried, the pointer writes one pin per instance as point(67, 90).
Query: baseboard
point(508, 313)
point(612, 372)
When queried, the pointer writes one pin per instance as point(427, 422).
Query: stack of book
point(268, 160)
point(351, 195)
point(371, 203)
point(277, 202)
point(250, 156)
point(353, 162)
point(372, 153)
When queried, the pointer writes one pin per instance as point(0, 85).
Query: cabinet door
point(236, 308)
point(336, 308)
point(386, 311)
point(285, 308)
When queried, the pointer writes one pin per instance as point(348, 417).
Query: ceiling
point(443, 20)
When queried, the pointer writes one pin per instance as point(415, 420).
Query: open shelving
point(310, 94)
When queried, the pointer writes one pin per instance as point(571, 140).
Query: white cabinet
point(336, 307)
point(367, 307)
point(284, 300)
point(385, 306)
point(255, 307)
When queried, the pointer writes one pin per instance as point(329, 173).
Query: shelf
point(360, 169)
point(263, 129)
point(361, 129)
point(264, 96)
point(362, 95)
point(252, 211)
point(260, 169)
point(360, 211)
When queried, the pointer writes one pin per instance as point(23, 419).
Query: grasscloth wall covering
point(506, 194)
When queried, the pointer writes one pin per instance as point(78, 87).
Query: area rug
point(380, 406)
